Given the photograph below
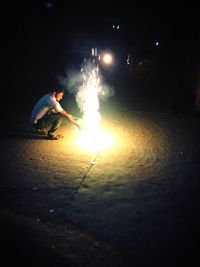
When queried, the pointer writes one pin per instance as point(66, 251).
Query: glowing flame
point(91, 137)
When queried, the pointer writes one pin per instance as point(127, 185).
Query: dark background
point(43, 39)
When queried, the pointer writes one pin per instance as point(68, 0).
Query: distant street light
point(107, 58)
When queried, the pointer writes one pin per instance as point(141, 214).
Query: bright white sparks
point(91, 137)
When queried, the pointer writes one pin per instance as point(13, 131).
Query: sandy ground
point(134, 204)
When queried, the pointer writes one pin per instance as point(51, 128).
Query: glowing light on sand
point(92, 137)
point(94, 141)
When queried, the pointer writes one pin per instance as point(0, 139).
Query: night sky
point(43, 38)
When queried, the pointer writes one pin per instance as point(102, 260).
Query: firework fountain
point(92, 136)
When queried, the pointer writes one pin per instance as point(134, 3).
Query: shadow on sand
point(23, 134)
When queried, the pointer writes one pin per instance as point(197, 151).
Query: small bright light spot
point(157, 43)
point(113, 26)
point(118, 27)
point(107, 58)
